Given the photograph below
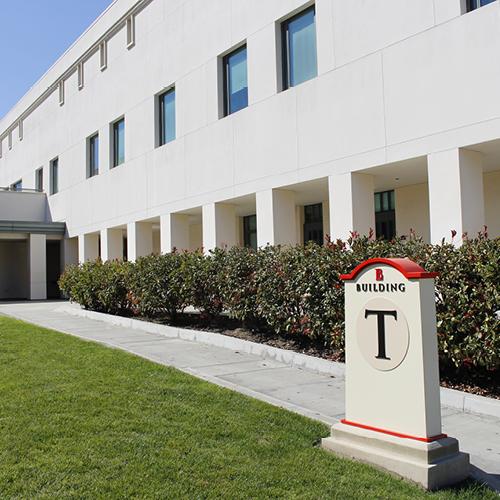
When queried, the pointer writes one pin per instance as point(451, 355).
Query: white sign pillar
point(393, 411)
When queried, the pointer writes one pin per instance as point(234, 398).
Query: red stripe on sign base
point(392, 433)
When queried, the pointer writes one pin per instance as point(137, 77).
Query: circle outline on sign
point(382, 304)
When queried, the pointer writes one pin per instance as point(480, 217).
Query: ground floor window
point(250, 231)
point(313, 223)
point(385, 215)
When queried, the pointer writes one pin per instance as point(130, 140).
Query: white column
point(351, 204)
point(276, 218)
point(88, 247)
point(111, 244)
point(174, 232)
point(38, 266)
point(219, 226)
point(456, 193)
point(70, 251)
point(139, 240)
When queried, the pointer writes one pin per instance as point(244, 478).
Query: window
point(298, 42)
point(17, 186)
point(166, 106)
point(54, 176)
point(39, 179)
point(93, 155)
point(313, 223)
point(250, 231)
point(385, 215)
point(475, 4)
point(235, 81)
point(118, 140)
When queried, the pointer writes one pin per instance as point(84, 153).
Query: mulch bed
point(481, 384)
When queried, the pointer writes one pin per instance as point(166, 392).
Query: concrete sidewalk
point(317, 396)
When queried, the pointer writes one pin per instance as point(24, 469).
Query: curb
point(459, 400)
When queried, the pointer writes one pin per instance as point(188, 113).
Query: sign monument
point(392, 401)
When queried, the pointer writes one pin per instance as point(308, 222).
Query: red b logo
point(379, 275)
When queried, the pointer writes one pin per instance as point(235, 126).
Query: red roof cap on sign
point(406, 267)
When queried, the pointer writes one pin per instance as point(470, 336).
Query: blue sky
point(33, 34)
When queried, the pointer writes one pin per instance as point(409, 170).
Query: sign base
point(433, 465)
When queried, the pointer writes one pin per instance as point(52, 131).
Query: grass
point(78, 420)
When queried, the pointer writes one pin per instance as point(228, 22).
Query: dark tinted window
point(475, 4)
point(235, 81)
point(250, 231)
point(313, 223)
point(54, 176)
point(299, 48)
point(167, 117)
point(93, 152)
point(118, 142)
point(385, 215)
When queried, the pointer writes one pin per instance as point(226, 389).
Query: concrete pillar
point(456, 193)
point(276, 218)
point(351, 204)
point(37, 260)
point(326, 219)
point(88, 247)
point(111, 244)
point(139, 240)
point(220, 226)
point(174, 232)
point(70, 252)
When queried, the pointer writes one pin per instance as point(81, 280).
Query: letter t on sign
point(381, 329)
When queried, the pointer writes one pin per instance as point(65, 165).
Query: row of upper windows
point(299, 65)
point(299, 60)
point(166, 133)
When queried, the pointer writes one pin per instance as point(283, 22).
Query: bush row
point(296, 291)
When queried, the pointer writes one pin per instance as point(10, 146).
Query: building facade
point(203, 123)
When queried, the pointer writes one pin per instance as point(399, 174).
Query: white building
point(189, 123)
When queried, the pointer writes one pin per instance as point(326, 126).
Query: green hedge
point(296, 291)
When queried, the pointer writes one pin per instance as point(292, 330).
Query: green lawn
point(84, 421)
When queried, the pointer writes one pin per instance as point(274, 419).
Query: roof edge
point(409, 269)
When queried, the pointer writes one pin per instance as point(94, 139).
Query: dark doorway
point(313, 223)
point(53, 268)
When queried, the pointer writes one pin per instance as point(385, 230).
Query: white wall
point(30, 207)
point(492, 203)
point(398, 79)
point(412, 210)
